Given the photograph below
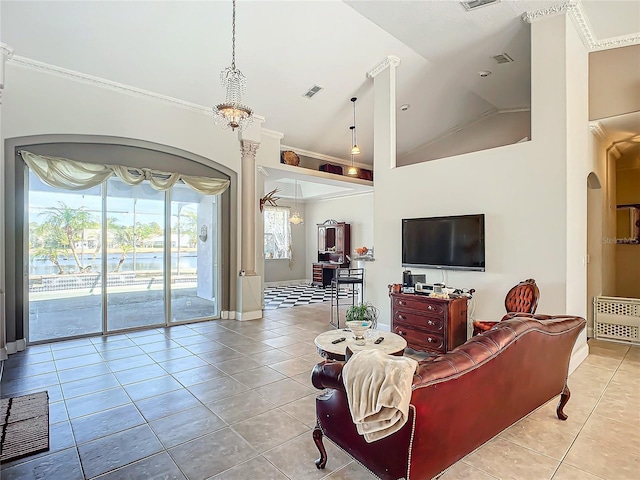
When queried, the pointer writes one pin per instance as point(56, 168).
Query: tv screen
point(453, 243)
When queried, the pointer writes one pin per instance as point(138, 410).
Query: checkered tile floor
point(293, 295)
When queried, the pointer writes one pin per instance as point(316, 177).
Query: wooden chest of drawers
point(429, 324)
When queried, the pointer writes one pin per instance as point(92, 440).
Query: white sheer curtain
point(73, 175)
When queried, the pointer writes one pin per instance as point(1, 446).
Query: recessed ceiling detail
point(312, 91)
point(473, 4)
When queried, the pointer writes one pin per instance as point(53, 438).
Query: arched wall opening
point(102, 150)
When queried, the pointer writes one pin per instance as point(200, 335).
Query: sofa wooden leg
point(317, 438)
point(564, 398)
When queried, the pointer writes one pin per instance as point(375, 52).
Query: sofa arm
point(328, 374)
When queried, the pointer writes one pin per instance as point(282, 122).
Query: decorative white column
point(249, 303)
point(384, 161)
point(6, 52)
point(248, 258)
point(384, 112)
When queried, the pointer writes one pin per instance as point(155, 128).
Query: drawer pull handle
point(402, 303)
point(430, 307)
point(400, 332)
point(431, 322)
point(431, 340)
point(401, 317)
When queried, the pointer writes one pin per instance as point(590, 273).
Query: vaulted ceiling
point(178, 48)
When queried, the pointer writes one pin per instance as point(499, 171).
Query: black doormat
point(25, 425)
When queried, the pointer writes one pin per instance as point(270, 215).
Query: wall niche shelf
point(311, 164)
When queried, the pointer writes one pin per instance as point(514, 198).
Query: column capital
point(248, 147)
point(388, 61)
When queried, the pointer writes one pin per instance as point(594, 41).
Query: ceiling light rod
point(232, 113)
point(354, 150)
point(296, 218)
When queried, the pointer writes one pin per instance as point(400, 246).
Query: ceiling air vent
point(473, 4)
point(502, 58)
point(312, 91)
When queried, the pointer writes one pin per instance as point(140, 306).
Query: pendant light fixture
point(296, 218)
point(232, 113)
point(354, 150)
point(352, 170)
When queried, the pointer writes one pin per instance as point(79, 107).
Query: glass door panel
point(135, 256)
point(65, 261)
point(194, 254)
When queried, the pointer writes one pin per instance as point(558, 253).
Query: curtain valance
point(73, 175)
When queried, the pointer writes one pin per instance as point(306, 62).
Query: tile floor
point(233, 400)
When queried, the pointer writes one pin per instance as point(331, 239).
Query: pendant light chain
point(233, 37)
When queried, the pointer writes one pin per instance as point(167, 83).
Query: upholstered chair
point(523, 298)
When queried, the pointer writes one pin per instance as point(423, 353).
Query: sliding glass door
point(134, 256)
point(194, 254)
point(65, 269)
point(118, 257)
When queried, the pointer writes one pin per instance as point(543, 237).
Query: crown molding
point(107, 84)
point(615, 42)
point(319, 156)
point(576, 12)
point(6, 50)
point(389, 60)
point(272, 134)
point(522, 108)
point(120, 87)
point(615, 152)
point(596, 129)
point(550, 11)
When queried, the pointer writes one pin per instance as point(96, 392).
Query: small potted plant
point(364, 312)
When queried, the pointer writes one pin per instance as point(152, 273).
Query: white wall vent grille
point(502, 58)
point(312, 91)
point(473, 4)
point(617, 318)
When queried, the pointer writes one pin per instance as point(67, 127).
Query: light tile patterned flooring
point(233, 400)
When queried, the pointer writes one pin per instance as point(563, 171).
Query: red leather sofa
point(459, 400)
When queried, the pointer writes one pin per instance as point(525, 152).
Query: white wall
point(578, 168)
point(613, 81)
point(36, 102)
point(284, 271)
point(522, 189)
point(493, 131)
point(355, 210)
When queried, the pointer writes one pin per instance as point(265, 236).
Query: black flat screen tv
point(452, 243)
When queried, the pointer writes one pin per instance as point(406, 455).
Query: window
point(277, 233)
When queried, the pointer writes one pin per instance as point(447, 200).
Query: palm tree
point(71, 223)
point(49, 245)
point(123, 238)
point(145, 231)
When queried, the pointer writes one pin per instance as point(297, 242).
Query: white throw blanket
point(378, 389)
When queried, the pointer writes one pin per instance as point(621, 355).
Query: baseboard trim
point(578, 356)
point(242, 316)
point(15, 347)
